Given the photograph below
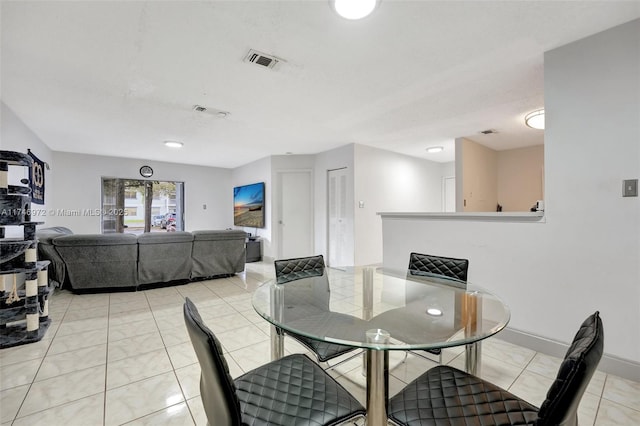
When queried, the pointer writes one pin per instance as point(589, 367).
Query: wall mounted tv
point(248, 205)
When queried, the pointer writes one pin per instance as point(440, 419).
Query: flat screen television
point(248, 205)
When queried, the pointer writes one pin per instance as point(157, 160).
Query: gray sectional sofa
point(112, 261)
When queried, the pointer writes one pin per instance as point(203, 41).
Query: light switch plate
point(630, 188)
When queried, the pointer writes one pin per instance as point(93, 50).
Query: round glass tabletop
point(369, 309)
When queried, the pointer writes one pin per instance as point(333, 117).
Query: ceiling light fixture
point(353, 9)
point(535, 119)
point(434, 312)
point(173, 144)
point(434, 149)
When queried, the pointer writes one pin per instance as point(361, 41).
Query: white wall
point(448, 169)
point(78, 187)
point(592, 143)
point(520, 178)
point(479, 177)
point(266, 170)
point(384, 181)
point(390, 182)
point(16, 136)
point(585, 256)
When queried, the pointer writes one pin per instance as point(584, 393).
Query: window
point(136, 206)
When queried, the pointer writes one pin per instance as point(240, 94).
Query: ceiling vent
point(211, 111)
point(489, 132)
point(261, 59)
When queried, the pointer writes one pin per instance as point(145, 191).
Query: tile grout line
point(595, 416)
point(106, 366)
point(16, 417)
point(237, 302)
point(173, 369)
point(521, 372)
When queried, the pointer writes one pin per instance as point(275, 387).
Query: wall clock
point(146, 171)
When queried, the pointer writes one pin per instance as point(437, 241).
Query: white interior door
point(449, 194)
point(296, 214)
point(337, 255)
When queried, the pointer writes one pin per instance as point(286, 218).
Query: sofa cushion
point(165, 237)
point(99, 261)
point(164, 257)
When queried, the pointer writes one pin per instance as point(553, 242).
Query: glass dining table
point(380, 311)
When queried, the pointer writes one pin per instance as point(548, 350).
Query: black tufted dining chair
point(426, 265)
point(447, 396)
point(288, 270)
point(292, 390)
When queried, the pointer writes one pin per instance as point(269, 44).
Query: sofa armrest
point(218, 253)
point(46, 251)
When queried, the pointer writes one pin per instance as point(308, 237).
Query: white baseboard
point(609, 363)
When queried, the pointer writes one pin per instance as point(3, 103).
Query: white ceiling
point(120, 77)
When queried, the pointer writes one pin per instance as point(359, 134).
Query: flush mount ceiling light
point(434, 149)
point(535, 119)
point(434, 312)
point(353, 9)
point(173, 144)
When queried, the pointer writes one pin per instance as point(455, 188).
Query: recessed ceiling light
point(173, 144)
point(535, 119)
point(353, 9)
point(434, 149)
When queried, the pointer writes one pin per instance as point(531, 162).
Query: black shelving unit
point(24, 313)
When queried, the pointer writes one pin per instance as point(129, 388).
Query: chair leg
point(331, 367)
point(424, 356)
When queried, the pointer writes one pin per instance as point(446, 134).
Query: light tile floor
point(125, 358)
